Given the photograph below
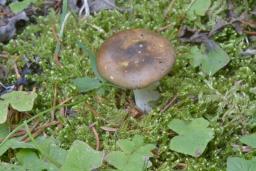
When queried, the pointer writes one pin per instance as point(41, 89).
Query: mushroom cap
point(135, 58)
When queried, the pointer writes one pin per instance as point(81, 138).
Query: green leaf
point(249, 140)
point(211, 62)
point(4, 130)
point(193, 136)
point(11, 167)
point(86, 84)
point(50, 146)
point(14, 144)
point(92, 58)
point(30, 160)
point(216, 59)
point(19, 6)
point(81, 157)
point(134, 155)
point(19, 100)
point(3, 110)
point(239, 164)
point(196, 56)
point(199, 7)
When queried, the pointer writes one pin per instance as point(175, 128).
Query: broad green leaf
point(134, 155)
point(14, 144)
point(81, 157)
point(216, 59)
point(193, 136)
point(249, 140)
point(92, 58)
point(196, 56)
point(30, 160)
point(3, 110)
point(86, 84)
point(19, 100)
point(211, 62)
point(4, 130)
point(11, 167)
point(19, 6)
point(239, 164)
point(199, 7)
point(51, 148)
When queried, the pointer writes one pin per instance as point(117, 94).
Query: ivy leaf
point(4, 130)
point(92, 58)
point(134, 155)
point(81, 157)
point(193, 136)
point(51, 147)
point(86, 84)
point(3, 110)
point(249, 140)
point(199, 7)
point(239, 164)
point(30, 160)
point(212, 61)
point(216, 59)
point(196, 56)
point(19, 6)
point(11, 167)
point(19, 100)
point(14, 144)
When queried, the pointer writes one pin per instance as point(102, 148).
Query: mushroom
point(136, 59)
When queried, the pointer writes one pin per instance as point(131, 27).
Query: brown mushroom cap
point(135, 58)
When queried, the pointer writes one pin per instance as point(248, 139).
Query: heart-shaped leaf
point(249, 140)
point(193, 136)
point(134, 155)
point(19, 100)
point(86, 84)
point(239, 164)
point(82, 157)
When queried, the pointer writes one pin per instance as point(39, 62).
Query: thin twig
point(39, 130)
point(168, 104)
point(95, 113)
point(96, 136)
point(169, 8)
point(54, 102)
point(16, 134)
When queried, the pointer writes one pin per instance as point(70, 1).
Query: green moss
point(198, 95)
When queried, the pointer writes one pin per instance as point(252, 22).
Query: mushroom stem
point(144, 97)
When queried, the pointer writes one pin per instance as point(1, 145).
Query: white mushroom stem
point(145, 96)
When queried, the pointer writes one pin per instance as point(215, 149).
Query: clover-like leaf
point(11, 167)
point(216, 58)
point(249, 140)
point(193, 136)
point(19, 100)
point(134, 155)
point(199, 7)
point(81, 157)
point(14, 144)
point(212, 61)
point(19, 6)
point(86, 84)
point(31, 161)
point(239, 164)
point(50, 146)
